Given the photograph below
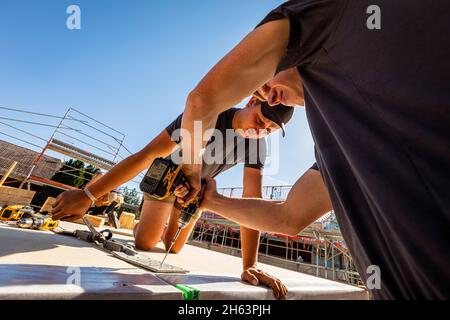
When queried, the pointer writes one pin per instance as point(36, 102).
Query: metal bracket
point(120, 249)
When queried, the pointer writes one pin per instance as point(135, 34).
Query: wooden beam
point(97, 222)
point(15, 196)
point(51, 183)
point(47, 206)
point(123, 232)
point(8, 172)
point(126, 220)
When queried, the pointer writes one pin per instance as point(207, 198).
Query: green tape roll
point(189, 293)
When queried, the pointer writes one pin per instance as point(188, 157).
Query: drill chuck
point(28, 223)
point(37, 223)
point(190, 211)
point(184, 219)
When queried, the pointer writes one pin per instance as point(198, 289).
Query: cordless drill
point(37, 222)
point(160, 181)
point(14, 213)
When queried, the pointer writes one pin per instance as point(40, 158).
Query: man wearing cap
point(377, 102)
point(239, 137)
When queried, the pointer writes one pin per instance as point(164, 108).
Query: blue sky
point(131, 65)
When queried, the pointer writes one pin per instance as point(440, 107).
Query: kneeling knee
point(142, 244)
point(175, 249)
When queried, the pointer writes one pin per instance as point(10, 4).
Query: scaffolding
point(75, 135)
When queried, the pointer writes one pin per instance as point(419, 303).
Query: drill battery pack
point(160, 181)
point(162, 178)
point(15, 213)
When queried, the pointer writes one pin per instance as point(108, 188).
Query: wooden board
point(8, 172)
point(47, 206)
point(15, 196)
point(126, 220)
point(122, 232)
point(97, 222)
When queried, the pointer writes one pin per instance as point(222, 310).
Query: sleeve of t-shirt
point(255, 157)
point(171, 128)
point(311, 22)
point(314, 167)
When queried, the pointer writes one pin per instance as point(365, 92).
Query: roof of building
point(9, 152)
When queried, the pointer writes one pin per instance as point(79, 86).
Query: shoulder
point(225, 120)
point(312, 24)
point(226, 117)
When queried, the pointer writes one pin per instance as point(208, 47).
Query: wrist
point(191, 166)
point(89, 195)
point(214, 202)
point(247, 266)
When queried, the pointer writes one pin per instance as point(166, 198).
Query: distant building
point(45, 168)
point(329, 222)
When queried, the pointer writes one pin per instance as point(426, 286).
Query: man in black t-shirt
point(239, 138)
point(236, 140)
point(376, 88)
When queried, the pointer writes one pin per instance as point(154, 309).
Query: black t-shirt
point(225, 151)
point(314, 167)
point(378, 105)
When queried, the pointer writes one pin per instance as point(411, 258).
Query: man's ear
point(251, 102)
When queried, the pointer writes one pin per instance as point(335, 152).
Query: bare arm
point(76, 203)
point(250, 237)
point(249, 65)
point(130, 167)
point(250, 241)
point(307, 201)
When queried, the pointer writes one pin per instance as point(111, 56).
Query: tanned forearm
point(196, 120)
point(250, 237)
point(249, 65)
point(130, 167)
point(124, 171)
point(250, 246)
point(307, 201)
point(250, 213)
point(75, 203)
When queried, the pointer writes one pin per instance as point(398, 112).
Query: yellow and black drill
point(15, 213)
point(160, 181)
point(37, 222)
point(25, 217)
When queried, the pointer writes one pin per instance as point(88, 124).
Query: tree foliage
point(73, 173)
point(131, 196)
point(132, 201)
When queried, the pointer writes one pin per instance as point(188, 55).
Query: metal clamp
point(119, 249)
point(97, 237)
point(119, 246)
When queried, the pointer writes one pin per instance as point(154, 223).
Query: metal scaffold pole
point(317, 256)
point(33, 166)
point(326, 258)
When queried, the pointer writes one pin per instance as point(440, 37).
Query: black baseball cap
point(280, 114)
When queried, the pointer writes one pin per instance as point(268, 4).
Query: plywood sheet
point(34, 263)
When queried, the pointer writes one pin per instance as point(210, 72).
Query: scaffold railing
point(322, 252)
